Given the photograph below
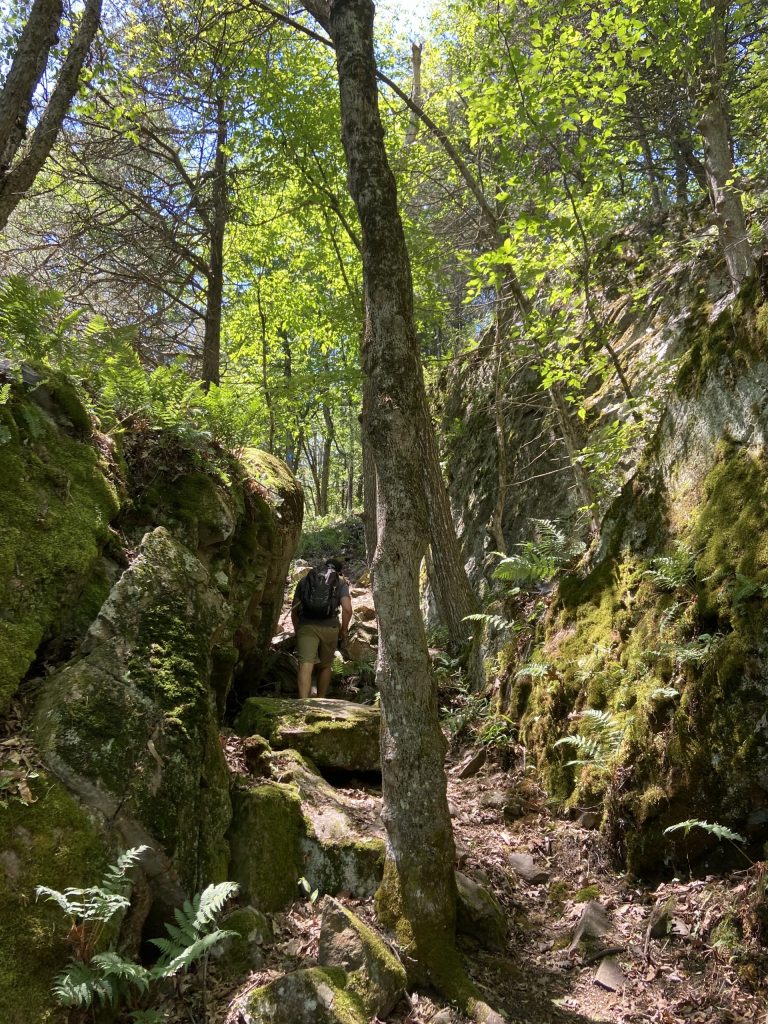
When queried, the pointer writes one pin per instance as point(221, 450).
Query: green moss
point(266, 844)
point(55, 507)
point(589, 892)
point(49, 842)
point(346, 736)
point(731, 344)
point(296, 996)
point(377, 961)
point(558, 892)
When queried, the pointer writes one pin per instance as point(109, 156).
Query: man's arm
point(295, 606)
point(346, 615)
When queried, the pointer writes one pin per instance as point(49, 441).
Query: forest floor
point(580, 949)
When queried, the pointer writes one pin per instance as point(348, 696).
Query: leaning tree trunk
point(718, 165)
point(420, 841)
point(17, 178)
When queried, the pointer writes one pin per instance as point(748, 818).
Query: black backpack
point(319, 594)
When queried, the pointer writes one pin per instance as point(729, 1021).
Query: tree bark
point(16, 181)
point(40, 33)
point(370, 501)
point(420, 842)
point(718, 164)
point(413, 123)
point(217, 223)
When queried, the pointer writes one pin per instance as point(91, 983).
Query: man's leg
point(326, 651)
point(307, 643)
point(323, 681)
point(305, 679)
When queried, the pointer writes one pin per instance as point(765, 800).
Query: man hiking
point(315, 618)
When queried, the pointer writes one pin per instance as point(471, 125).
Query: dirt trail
point(705, 967)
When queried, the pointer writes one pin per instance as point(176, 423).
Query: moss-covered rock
point(315, 996)
point(331, 733)
point(300, 827)
point(135, 716)
point(662, 640)
point(56, 503)
point(373, 972)
point(52, 842)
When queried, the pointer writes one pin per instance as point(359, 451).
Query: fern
point(534, 670)
point(601, 736)
point(539, 560)
point(104, 978)
point(720, 831)
point(673, 572)
point(490, 622)
point(190, 938)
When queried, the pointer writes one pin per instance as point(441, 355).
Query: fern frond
point(721, 831)
point(186, 957)
point(112, 965)
point(80, 986)
point(211, 902)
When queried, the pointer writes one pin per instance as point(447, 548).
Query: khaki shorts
point(316, 643)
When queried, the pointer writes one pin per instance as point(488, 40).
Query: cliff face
point(137, 579)
point(649, 657)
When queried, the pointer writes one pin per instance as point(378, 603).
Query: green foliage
point(105, 978)
point(332, 535)
point(600, 736)
point(694, 652)
point(673, 572)
point(540, 559)
point(714, 829)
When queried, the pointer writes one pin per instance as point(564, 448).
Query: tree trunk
point(413, 122)
point(16, 181)
point(370, 501)
point(420, 842)
point(217, 223)
point(40, 33)
point(718, 164)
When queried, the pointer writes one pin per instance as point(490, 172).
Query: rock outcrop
point(301, 827)
point(134, 584)
point(331, 733)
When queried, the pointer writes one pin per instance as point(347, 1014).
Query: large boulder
point(331, 733)
point(374, 973)
point(132, 725)
point(301, 827)
point(56, 503)
point(314, 996)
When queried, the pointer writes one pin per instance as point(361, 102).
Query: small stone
point(472, 765)
point(453, 810)
point(588, 819)
point(374, 974)
point(609, 975)
point(594, 922)
point(364, 612)
point(524, 865)
point(495, 799)
point(479, 914)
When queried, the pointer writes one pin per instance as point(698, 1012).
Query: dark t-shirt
point(334, 619)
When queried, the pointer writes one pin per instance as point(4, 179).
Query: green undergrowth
point(327, 536)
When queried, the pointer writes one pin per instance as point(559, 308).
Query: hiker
point(315, 618)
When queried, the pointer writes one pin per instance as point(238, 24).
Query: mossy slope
point(677, 664)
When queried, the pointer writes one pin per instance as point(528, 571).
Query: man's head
point(335, 563)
